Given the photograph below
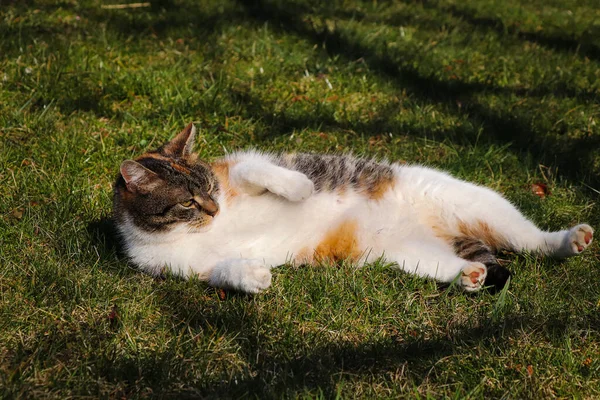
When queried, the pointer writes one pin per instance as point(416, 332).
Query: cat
point(228, 222)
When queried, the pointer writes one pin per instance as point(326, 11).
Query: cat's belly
point(327, 226)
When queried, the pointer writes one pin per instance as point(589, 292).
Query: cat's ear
point(182, 144)
point(138, 178)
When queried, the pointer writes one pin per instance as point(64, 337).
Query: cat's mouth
point(201, 225)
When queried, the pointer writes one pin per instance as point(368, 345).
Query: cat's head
point(168, 189)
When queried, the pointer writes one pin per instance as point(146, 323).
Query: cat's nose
point(209, 205)
point(212, 213)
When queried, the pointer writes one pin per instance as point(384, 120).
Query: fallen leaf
point(375, 140)
point(113, 316)
point(17, 213)
point(540, 190)
point(529, 370)
point(221, 294)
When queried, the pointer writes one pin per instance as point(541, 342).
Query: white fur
point(276, 214)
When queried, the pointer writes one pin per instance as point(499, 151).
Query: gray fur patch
point(331, 172)
point(474, 250)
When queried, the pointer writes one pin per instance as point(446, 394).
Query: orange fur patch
point(221, 170)
point(156, 156)
point(304, 256)
point(340, 243)
point(173, 164)
point(180, 168)
point(341, 190)
point(377, 191)
point(481, 230)
point(440, 229)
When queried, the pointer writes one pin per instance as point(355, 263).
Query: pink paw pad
point(588, 237)
point(474, 276)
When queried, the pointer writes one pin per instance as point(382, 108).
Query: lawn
point(505, 93)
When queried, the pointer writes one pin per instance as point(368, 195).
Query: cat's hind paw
point(579, 238)
point(472, 276)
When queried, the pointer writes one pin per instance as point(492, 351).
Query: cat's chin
point(199, 228)
point(187, 228)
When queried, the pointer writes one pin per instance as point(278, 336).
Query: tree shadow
point(480, 25)
point(164, 15)
point(283, 123)
point(456, 95)
point(581, 46)
point(318, 368)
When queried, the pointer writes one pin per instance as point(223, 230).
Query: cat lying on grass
point(230, 221)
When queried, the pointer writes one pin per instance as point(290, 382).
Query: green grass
point(503, 93)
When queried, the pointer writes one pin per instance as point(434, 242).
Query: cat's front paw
point(579, 238)
point(256, 280)
point(297, 187)
point(246, 275)
point(472, 276)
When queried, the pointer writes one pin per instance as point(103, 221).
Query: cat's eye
point(188, 203)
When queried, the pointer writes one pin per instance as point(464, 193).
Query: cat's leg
point(257, 176)
point(500, 225)
point(246, 275)
point(432, 258)
point(559, 244)
point(475, 250)
point(460, 209)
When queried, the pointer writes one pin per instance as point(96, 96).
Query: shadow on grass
point(318, 367)
point(581, 46)
point(301, 367)
point(313, 362)
point(576, 155)
point(322, 118)
point(104, 233)
point(166, 15)
point(458, 97)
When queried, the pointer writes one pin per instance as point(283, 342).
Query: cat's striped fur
point(231, 220)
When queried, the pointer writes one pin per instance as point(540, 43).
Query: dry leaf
point(17, 213)
point(221, 294)
point(113, 316)
point(540, 190)
point(529, 370)
point(375, 140)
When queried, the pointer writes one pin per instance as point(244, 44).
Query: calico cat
point(230, 221)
